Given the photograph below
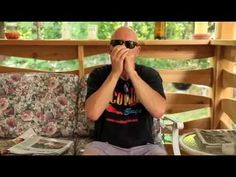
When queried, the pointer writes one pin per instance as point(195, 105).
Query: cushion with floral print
point(84, 126)
point(47, 102)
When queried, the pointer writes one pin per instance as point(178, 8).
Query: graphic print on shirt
point(124, 107)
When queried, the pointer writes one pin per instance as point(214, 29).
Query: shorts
point(104, 148)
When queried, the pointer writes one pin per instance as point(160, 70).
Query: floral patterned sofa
point(51, 103)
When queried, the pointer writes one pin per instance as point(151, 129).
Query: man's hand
point(118, 56)
point(130, 63)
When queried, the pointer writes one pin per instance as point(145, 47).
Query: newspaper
point(217, 141)
point(30, 143)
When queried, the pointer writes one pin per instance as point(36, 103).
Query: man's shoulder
point(142, 69)
point(102, 69)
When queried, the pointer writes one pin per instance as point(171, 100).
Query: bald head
point(125, 33)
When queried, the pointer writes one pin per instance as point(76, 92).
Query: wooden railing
point(218, 78)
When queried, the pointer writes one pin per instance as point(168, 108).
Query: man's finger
point(118, 54)
point(123, 56)
point(116, 49)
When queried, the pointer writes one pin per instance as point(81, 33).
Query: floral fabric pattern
point(47, 102)
point(84, 126)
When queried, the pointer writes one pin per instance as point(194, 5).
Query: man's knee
point(94, 148)
point(92, 151)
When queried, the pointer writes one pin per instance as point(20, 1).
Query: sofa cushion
point(84, 126)
point(47, 102)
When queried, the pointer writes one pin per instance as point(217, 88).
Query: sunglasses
point(128, 44)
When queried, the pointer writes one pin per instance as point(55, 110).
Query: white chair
point(174, 127)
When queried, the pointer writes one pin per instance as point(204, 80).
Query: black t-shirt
point(125, 122)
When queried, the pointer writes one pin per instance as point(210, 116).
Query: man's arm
point(151, 99)
point(99, 100)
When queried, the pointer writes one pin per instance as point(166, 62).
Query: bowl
point(201, 36)
point(12, 35)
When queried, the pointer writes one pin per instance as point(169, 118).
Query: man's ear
point(138, 49)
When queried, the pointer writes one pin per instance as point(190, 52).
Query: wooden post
point(219, 91)
point(81, 61)
point(217, 88)
point(225, 30)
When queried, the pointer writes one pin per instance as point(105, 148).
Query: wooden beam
point(177, 102)
point(229, 107)
point(47, 52)
point(226, 122)
point(229, 53)
point(188, 76)
point(172, 108)
point(223, 42)
point(203, 123)
point(95, 50)
point(181, 98)
point(229, 79)
point(67, 49)
point(178, 51)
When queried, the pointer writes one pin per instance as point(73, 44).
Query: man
point(122, 100)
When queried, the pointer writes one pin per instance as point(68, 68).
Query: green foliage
point(105, 29)
point(79, 30)
point(25, 29)
point(96, 60)
point(145, 30)
point(41, 64)
point(173, 64)
point(51, 30)
point(179, 30)
point(192, 115)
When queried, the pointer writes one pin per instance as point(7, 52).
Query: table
point(190, 146)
